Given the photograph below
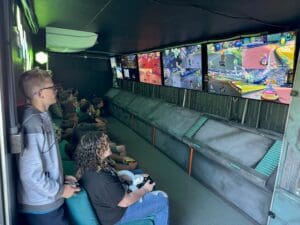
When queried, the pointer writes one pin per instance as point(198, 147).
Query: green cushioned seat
point(58, 122)
point(270, 160)
point(80, 210)
point(69, 167)
point(62, 149)
point(141, 222)
point(82, 213)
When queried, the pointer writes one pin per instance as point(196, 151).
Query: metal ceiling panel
point(137, 25)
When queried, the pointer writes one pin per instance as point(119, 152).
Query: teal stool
point(82, 213)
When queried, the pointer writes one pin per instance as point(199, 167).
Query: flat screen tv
point(182, 67)
point(116, 67)
point(150, 68)
point(130, 68)
point(255, 67)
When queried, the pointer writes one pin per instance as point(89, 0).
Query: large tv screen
point(150, 68)
point(182, 67)
point(129, 66)
point(116, 67)
point(255, 67)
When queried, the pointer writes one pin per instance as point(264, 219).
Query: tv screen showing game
point(255, 67)
point(129, 66)
point(182, 67)
point(116, 67)
point(150, 68)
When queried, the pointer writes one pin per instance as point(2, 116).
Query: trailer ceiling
point(126, 26)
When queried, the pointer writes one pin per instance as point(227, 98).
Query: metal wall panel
point(264, 115)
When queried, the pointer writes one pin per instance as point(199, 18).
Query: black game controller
point(145, 181)
point(74, 184)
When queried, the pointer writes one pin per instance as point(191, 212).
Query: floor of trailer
point(191, 203)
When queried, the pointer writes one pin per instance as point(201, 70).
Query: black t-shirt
point(105, 191)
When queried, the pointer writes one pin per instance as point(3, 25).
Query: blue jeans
point(137, 171)
point(56, 217)
point(152, 205)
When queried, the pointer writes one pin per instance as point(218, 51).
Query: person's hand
point(148, 187)
point(69, 190)
point(70, 178)
point(99, 121)
point(100, 125)
point(132, 165)
point(121, 149)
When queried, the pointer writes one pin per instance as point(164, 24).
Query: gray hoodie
point(40, 183)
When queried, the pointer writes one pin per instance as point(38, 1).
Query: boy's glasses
point(54, 88)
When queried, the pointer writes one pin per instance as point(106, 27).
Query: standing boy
point(41, 189)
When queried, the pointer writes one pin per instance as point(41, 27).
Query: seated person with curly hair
point(109, 198)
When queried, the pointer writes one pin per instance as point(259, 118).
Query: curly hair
point(89, 152)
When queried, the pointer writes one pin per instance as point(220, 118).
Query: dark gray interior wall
point(247, 196)
point(18, 61)
point(89, 75)
point(13, 64)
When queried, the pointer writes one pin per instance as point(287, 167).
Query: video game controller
point(127, 160)
point(74, 184)
point(145, 181)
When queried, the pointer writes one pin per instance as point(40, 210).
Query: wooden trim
point(191, 161)
point(153, 135)
point(132, 120)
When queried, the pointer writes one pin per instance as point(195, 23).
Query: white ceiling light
point(65, 40)
point(41, 57)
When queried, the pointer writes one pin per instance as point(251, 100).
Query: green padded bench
point(62, 149)
point(58, 122)
point(68, 165)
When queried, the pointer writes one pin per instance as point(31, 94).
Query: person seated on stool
point(112, 203)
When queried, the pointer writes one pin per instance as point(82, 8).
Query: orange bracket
point(191, 161)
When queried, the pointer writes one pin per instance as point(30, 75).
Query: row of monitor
point(254, 67)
